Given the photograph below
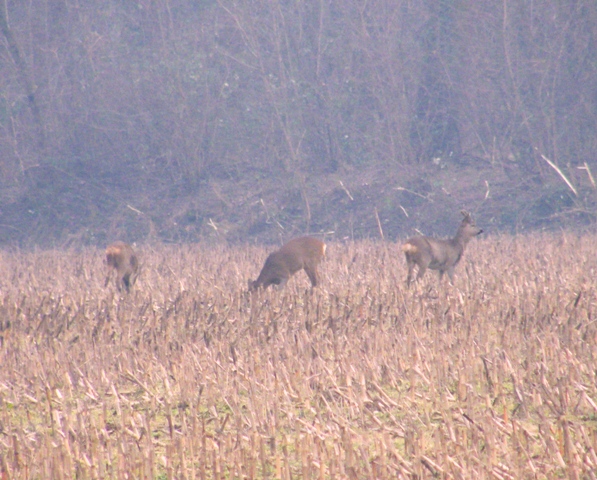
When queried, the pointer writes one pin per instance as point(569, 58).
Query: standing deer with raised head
point(122, 262)
point(438, 254)
point(300, 253)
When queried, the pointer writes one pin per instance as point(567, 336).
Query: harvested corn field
point(190, 376)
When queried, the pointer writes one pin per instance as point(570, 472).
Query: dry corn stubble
point(190, 376)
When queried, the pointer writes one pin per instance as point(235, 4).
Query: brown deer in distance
point(438, 254)
point(123, 263)
point(300, 253)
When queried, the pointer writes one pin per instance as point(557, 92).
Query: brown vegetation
point(190, 377)
point(187, 119)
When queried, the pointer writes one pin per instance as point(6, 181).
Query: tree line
point(127, 94)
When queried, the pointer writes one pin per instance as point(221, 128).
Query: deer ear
point(466, 215)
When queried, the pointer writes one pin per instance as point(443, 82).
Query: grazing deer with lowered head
point(300, 253)
point(436, 254)
point(122, 262)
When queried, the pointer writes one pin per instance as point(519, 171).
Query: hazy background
point(179, 120)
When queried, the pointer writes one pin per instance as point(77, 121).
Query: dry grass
point(190, 377)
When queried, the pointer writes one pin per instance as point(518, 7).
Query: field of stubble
point(190, 377)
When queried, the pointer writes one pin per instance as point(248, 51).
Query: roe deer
point(436, 254)
point(122, 261)
point(299, 253)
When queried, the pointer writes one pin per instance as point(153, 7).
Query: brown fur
point(436, 254)
point(300, 253)
point(122, 261)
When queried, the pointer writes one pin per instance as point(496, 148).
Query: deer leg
point(421, 272)
point(451, 275)
point(411, 266)
point(126, 280)
point(312, 274)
